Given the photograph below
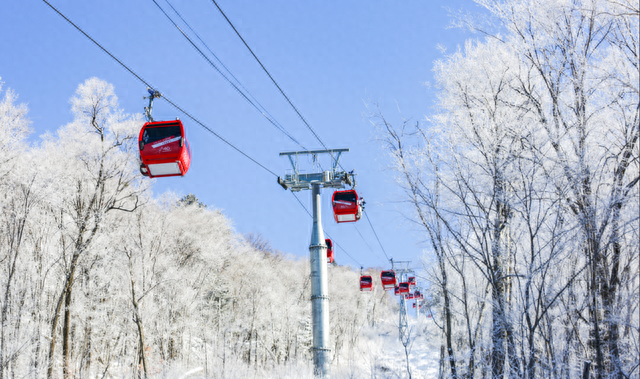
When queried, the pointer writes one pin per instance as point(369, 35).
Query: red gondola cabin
point(403, 288)
point(346, 206)
point(329, 250)
point(388, 279)
point(409, 296)
point(412, 281)
point(366, 283)
point(164, 149)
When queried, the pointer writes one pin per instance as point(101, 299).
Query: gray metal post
point(403, 325)
point(296, 181)
point(319, 291)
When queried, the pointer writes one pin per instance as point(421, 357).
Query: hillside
point(100, 278)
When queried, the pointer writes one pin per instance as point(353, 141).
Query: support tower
point(296, 181)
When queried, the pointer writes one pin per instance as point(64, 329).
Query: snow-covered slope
point(381, 355)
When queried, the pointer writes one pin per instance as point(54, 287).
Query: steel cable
point(262, 111)
point(175, 105)
point(152, 87)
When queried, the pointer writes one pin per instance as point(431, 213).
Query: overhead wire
point(262, 111)
point(304, 120)
point(148, 84)
point(175, 105)
point(376, 234)
point(152, 87)
point(270, 77)
point(259, 106)
point(289, 101)
point(262, 108)
point(367, 243)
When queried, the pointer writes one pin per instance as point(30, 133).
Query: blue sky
point(330, 58)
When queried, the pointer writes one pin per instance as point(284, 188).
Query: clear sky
point(331, 58)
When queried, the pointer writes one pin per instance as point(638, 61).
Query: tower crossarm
point(333, 178)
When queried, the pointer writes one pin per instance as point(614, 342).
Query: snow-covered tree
point(92, 158)
point(99, 278)
point(526, 182)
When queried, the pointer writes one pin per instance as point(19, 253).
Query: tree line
point(524, 180)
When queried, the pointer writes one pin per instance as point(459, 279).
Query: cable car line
point(100, 46)
point(219, 136)
point(290, 103)
point(376, 234)
point(270, 77)
point(195, 119)
point(296, 110)
point(262, 111)
point(275, 83)
point(369, 246)
point(270, 119)
point(150, 86)
point(292, 106)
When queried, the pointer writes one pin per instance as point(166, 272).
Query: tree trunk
point(16, 228)
point(138, 319)
point(609, 294)
point(65, 297)
point(66, 329)
point(498, 355)
point(54, 326)
point(594, 307)
point(447, 317)
point(498, 327)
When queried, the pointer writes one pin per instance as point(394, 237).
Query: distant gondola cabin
point(329, 250)
point(366, 283)
point(388, 279)
point(403, 288)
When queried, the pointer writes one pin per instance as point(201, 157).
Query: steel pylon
point(401, 268)
point(297, 181)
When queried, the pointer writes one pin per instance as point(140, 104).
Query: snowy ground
point(380, 355)
point(383, 356)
